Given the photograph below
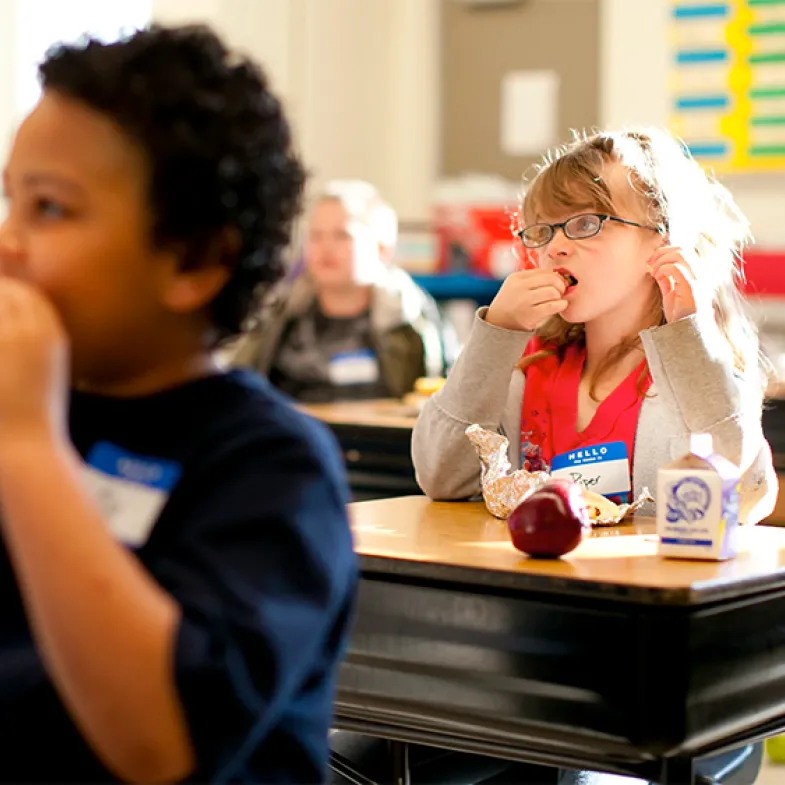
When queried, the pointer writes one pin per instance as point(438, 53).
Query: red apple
point(550, 522)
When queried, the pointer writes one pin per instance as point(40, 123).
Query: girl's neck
point(607, 332)
point(344, 302)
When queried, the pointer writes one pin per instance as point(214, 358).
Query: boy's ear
point(194, 289)
point(200, 275)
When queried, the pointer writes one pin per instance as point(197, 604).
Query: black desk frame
point(632, 681)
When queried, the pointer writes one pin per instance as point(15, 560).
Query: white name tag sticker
point(348, 368)
point(130, 490)
point(602, 468)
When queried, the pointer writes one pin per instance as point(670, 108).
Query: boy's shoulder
point(212, 431)
point(249, 409)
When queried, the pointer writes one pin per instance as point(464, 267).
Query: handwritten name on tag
point(602, 468)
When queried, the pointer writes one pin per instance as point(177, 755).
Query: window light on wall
point(42, 23)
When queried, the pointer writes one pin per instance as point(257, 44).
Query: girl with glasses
point(629, 331)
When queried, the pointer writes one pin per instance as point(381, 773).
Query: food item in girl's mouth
point(550, 522)
point(570, 280)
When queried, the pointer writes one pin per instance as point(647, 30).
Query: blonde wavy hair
point(685, 204)
point(363, 202)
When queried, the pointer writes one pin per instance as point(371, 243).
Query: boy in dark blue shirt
point(177, 574)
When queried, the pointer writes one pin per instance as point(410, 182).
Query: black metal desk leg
point(399, 753)
point(677, 771)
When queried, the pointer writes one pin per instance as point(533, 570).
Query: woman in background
point(351, 325)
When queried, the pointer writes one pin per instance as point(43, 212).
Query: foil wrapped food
point(503, 488)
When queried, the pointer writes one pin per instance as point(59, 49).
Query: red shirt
point(550, 409)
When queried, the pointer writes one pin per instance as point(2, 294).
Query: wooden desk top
point(385, 413)
point(461, 542)
point(393, 413)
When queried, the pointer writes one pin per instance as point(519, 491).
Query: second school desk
point(610, 659)
point(375, 438)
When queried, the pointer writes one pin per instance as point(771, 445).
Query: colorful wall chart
point(728, 82)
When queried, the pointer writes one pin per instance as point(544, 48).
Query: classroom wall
point(362, 83)
point(510, 39)
point(634, 72)
point(7, 55)
point(360, 80)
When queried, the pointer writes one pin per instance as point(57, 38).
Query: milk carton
point(698, 504)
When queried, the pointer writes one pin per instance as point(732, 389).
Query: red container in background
point(765, 273)
point(478, 240)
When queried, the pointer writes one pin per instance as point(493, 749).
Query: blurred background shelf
point(460, 286)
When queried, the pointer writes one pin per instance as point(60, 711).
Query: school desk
point(609, 659)
point(375, 438)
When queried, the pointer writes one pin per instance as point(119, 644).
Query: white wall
point(7, 73)
point(370, 95)
point(261, 28)
point(360, 80)
point(634, 71)
point(359, 77)
point(29, 27)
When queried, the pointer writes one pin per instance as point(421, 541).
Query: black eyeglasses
point(579, 227)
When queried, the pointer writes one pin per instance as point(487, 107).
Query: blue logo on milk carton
point(688, 500)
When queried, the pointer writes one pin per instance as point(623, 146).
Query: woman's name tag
point(347, 368)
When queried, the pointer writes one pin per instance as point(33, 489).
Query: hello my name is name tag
point(130, 490)
point(348, 368)
point(602, 468)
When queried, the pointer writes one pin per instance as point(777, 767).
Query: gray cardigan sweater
point(695, 389)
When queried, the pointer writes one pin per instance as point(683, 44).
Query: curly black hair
point(218, 145)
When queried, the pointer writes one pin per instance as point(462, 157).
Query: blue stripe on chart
point(701, 11)
point(715, 150)
point(693, 56)
point(703, 102)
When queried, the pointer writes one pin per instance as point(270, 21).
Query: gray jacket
point(695, 389)
point(410, 337)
